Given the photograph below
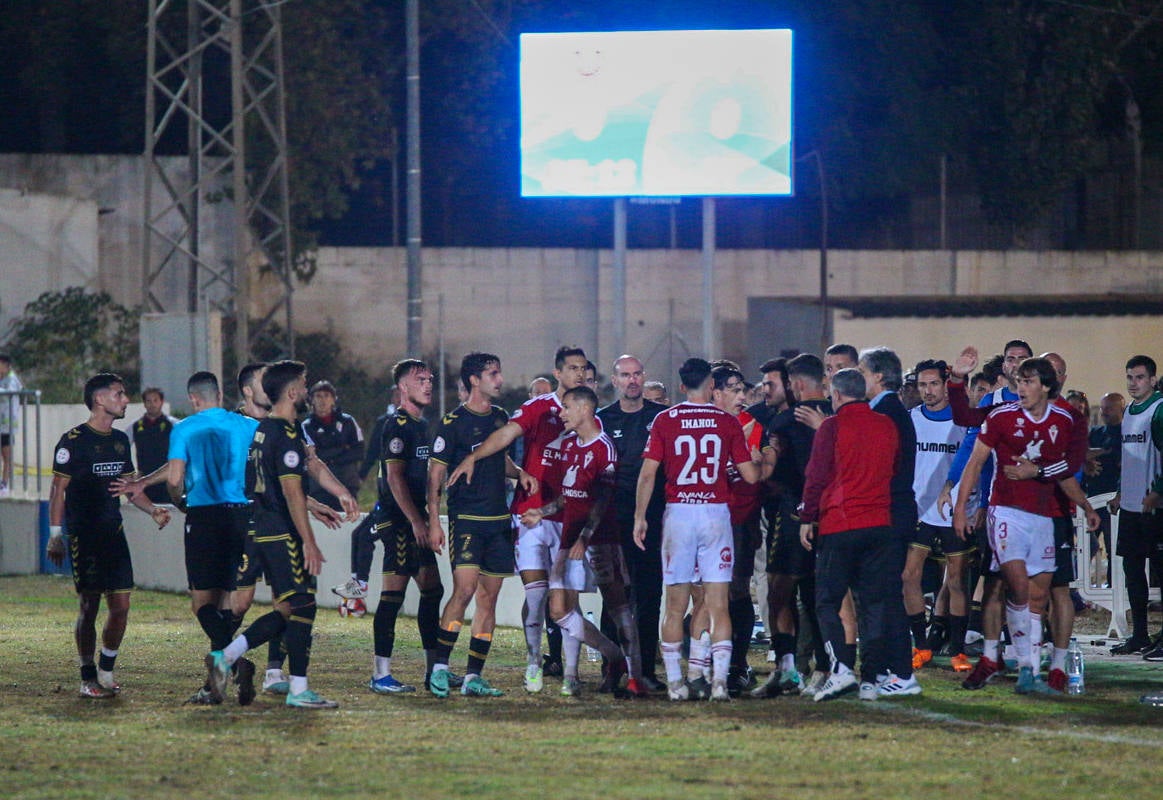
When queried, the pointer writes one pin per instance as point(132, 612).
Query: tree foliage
point(64, 338)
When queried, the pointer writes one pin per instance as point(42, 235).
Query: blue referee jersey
point(215, 444)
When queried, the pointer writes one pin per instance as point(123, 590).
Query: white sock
point(788, 662)
point(1058, 659)
point(1036, 642)
point(721, 659)
point(1018, 619)
point(105, 651)
point(298, 684)
point(536, 593)
point(699, 659)
point(381, 666)
point(990, 649)
point(672, 661)
point(236, 649)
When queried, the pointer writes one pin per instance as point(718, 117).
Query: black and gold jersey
point(276, 454)
point(405, 441)
point(91, 460)
point(457, 435)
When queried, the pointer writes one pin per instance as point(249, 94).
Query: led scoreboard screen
point(656, 113)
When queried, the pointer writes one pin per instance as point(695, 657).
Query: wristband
point(55, 531)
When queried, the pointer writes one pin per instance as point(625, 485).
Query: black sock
point(384, 623)
point(235, 624)
point(89, 671)
point(265, 628)
point(975, 616)
point(105, 663)
point(445, 641)
point(553, 634)
point(428, 616)
point(957, 628)
point(918, 625)
point(214, 625)
point(742, 614)
point(276, 653)
point(298, 634)
point(783, 644)
point(478, 651)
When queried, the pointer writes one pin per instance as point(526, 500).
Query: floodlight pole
point(619, 321)
point(825, 308)
point(709, 278)
point(415, 287)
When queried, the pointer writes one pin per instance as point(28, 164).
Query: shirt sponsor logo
point(696, 497)
point(108, 469)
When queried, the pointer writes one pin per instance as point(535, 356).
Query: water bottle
point(1075, 669)
point(591, 653)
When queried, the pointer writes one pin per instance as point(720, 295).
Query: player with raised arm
point(400, 521)
point(283, 540)
point(693, 442)
point(584, 468)
point(480, 544)
point(88, 458)
point(538, 422)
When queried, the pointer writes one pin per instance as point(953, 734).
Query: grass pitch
point(146, 743)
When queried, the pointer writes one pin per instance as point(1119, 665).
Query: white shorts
point(608, 564)
point(1017, 535)
point(535, 546)
point(571, 573)
point(697, 543)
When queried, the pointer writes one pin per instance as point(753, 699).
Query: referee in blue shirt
point(207, 478)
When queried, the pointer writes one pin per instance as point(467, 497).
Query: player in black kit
point(400, 521)
point(282, 538)
point(88, 459)
point(627, 421)
point(480, 540)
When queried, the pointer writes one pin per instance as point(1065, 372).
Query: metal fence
point(24, 450)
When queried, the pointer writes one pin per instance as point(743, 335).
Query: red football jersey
point(745, 497)
point(1012, 434)
point(694, 444)
point(579, 470)
point(541, 426)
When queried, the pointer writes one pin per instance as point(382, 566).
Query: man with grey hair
point(881, 368)
point(845, 518)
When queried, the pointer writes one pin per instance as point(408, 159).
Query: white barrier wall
point(158, 561)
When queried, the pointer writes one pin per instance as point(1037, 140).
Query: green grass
point(147, 743)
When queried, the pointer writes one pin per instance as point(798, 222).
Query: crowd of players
point(848, 491)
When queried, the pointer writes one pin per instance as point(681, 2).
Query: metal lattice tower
point(214, 95)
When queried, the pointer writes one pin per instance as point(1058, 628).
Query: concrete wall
point(523, 303)
point(159, 563)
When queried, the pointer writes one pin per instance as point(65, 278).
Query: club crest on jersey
point(1053, 433)
point(589, 457)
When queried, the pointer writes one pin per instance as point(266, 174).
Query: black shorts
point(250, 566)
point(1140, 535)
point(280, 557)
point(5, 439)
point(485, 544)
point(1063, 551)
point(402, 553)
point(215, 538)
point(785, 553)
point(941, 541)
point(101, 561)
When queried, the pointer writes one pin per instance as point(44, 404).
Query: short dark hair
point(992, 369)
point(584, 394)
point(725, 362)
point(806, 365)
point(723, 373)
point(473, 365)
point(849, 382)
point(930, 363)
point(279, 376)
point(7, 359)
point(845, 350)
point(323, 386)
point(983, 378)
point(203, 384)
point(405, 367)
point(564, 352)
point(247, 373)
point(1018, 343)
point(885, 362)
point(773, 365)
point(592, 367)
point(100, 381)
point(1043, 370)
point(694, 372)
point(1142, 361)
point(153, 390)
